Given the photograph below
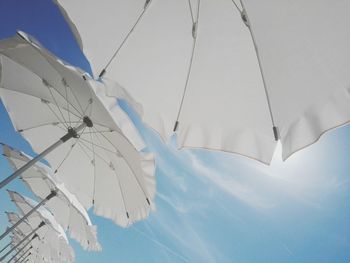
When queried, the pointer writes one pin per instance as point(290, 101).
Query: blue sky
point(211, 207)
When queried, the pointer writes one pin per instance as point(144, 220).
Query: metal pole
point(9, 230)
point(24, 239)
point(21, 257)
point(19, 251)
point(5, 247)
point(24, 257)
point(72, 133)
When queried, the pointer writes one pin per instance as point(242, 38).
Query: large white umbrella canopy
point(68, 211)
point(56, 246)
point(44, 97)
point(234, 75)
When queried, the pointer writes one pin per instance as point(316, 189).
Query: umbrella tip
point(175, 126)
point(149, 203)
point(102, 73)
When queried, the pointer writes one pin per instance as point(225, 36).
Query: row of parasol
point(95, 159)
point(221, 75)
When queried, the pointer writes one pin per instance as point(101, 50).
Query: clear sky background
point(211, 207)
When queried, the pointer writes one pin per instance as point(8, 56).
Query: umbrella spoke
point(78, 113)
point(191, 11)
point(74, 95)
point(194, 35)
point(69, 119)
point(69, 152)
point(99, 146)
point(237, 7)
point(65, 157)
point(81, 143)
point(112, 145)
point(122, 194)
point(130, 167)
point(54, 100)
point(94, 163)
point(54, 113)
point(147, 4)
point(40, 126)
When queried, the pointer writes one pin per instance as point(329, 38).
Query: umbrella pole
point(24, 258)
point(9, 230)
point(19, 251)
point(21, 256)
point(5, 247)
point(22, 241)
point(72, 133)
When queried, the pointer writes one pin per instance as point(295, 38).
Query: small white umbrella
point(68, 211)
point(21, 237)
point(56, 246)
point(20, 233)
point(230, 75)
point(99, 165)
point(38, 251)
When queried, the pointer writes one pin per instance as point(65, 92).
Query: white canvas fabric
point(303, 51)
point(103, 166)
point(68, 211)
point(38, 252)
point(55, 246)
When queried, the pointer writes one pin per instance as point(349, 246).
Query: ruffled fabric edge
point(141, 212)
point(316, 121)
point(88, 241)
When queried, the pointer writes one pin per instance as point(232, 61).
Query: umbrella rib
point(84, 150)
point(87, 147)
point(68, 103)
point(191, 11)
point(55, 114)
point(117, 177)
point(94, 160)
point(275, 130)
point(99, 146)
point(39, 126)
point(67, 154)
point(122, 194)
point(42, 53)
point(137, 180)
point(55, 102)
point(70, 122)
point(75, 97)
point(65, 157)
point(147, 4)
point(194, 34)
point(90, 132)
point(237, 7)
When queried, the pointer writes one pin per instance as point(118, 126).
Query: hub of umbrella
point(88, 121)
point(73, 132)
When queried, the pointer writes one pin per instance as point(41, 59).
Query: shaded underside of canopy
point(101, 166)
point(303, 52)
point(53, 235)
point(65, 207)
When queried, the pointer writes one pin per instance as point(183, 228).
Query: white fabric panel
point(224, 108)
point(304, 49)
point(304, 54)
point(67, 210)
point(23, 58)
point(56, 246)
point(103, 157)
